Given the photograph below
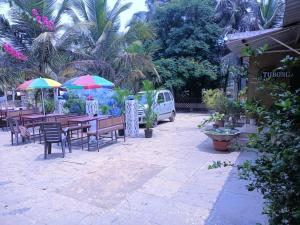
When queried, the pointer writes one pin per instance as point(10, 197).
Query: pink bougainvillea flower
point(14, 53)
point(34, 12)
point(38, 19)
point(45, 19)
point(51, 25)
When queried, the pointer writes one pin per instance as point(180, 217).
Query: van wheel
point(172, 117)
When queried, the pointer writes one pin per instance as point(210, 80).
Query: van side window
point(160, 98)
point(167, 97)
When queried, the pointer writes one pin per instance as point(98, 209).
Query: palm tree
point(146, 16)
point(271, 13)
point(25, 29)
point(248, 15)
point(95, 37)
point(237, 15)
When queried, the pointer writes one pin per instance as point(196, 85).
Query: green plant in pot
point(150, 115)
point(222, 137)
point(120, 97)
point(251, 112)
point(216, 117)
point(104, 109)
point(234, 110)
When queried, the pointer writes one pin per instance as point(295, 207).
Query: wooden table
point(34, 117)
point(84, 120)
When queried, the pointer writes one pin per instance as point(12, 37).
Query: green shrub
point(74, 104)
point(49, 106)
point(104, 109)
point(276, 172)
point(215, 99)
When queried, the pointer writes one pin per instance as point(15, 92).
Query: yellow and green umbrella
point(39, 83)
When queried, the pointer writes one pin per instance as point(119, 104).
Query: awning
point(275, 38)
point(286, 37)
point(292, 13)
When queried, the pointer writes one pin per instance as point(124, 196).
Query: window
point(167, 96)
point(160, 98)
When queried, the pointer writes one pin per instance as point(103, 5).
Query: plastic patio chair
point(52, 133)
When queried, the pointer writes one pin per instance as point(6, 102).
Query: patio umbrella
point(88, 82)
point(39, 83)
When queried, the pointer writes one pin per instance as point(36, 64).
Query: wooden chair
point(11, 114)
point(17, 130)
point(53, 134)
point(118, 123)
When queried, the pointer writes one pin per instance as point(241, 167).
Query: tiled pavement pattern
point(158, 181)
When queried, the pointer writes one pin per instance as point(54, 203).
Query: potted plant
point(222, 137)
point(150, 115)
point(234, 110)
point(120, 96)
point(104, 109)
point(215, 100)
point(251, 112)
point(216, 117)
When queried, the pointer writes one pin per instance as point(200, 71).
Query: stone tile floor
point(158, 181)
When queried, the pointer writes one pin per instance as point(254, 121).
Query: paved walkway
point(158, 181)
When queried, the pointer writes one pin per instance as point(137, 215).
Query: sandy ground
point(158, 181)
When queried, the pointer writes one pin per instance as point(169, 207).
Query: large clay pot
point(148, 133)
point(221, 145)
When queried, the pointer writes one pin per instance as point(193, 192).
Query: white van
point(164, 106)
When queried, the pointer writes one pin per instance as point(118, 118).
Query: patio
point(162, 181)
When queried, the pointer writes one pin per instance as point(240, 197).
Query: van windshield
point(142, 98)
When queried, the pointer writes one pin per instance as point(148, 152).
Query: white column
point(132, 118)
point(92, 107)
point(61, 103)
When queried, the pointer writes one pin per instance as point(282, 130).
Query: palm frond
point(80, 67)
point(64, 7)
point(11, 34)
point(80, 8)
point(80, 33)
point(133, 61)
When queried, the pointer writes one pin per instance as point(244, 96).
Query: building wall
point(261, 63)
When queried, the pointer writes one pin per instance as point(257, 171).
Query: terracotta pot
point(221, 145)
point(220, 123)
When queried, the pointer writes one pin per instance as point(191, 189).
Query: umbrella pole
point(43, 102)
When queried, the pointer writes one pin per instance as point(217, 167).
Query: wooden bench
point(107, 126)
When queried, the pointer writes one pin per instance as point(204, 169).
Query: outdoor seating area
point(28, 126)
point(149, 112)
